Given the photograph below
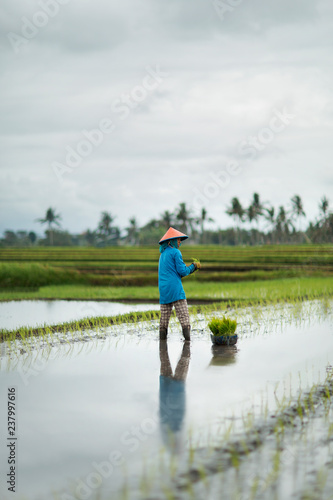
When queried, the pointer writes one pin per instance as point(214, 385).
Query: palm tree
point(297, 209)
point(184, 217)
point(50, 218)
point(257, 204)
point(237, 212)
point(32, 237)
point(250, 215)
point(258, 208)
point(90, 237)
point(105, 229)
point(105, 223)
point(132, 231)
point(283, 223)
point(323, 206)
point(324, 210)
point(269, 215)
point(201, 220)
point(167, 219)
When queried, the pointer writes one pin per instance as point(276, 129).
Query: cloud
point(225, 78)
point(78, 26)
point(206, 19)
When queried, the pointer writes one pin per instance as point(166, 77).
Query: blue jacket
point(171, 270)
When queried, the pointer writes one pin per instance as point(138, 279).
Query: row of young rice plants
point(262, 294)
point(256, 319)
point(80, 326)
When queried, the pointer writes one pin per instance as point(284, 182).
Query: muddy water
point(103, 409)
point(33, 313)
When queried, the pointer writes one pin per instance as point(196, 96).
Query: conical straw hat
point(171, 234)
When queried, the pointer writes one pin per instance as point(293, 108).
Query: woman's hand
point(197, 265)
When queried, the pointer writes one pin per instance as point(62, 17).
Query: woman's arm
point(181, 268)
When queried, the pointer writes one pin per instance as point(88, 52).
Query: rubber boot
point(163, 333)
point(186, 333)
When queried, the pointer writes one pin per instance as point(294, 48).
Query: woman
point(171, 269)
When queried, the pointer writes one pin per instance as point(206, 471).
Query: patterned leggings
point(181, 312)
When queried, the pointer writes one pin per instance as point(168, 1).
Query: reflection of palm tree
point(50, 218)
point(172, 395)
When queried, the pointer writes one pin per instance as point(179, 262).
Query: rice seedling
point(327, 393)
point(254, 488)
point(145, 484)
point(203, 474)
point(222, 326)
point(248, 420)
point(169, 494)
point(330, 431)
point(124, 492)
point(234, 457)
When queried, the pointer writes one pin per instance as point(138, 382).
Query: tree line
point(264, 225)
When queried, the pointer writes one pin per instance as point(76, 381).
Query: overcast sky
point(194, 101)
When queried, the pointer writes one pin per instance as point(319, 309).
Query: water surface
point(105, 408)
point(32, 313)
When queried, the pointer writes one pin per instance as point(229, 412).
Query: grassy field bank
point(258, 290)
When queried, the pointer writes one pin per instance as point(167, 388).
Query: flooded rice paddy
point(33, 313)
point(116, 414)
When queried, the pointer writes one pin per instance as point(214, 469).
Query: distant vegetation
point(264, 225)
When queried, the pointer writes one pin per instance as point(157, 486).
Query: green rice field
point(29, 273)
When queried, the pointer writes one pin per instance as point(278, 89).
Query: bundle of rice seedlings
point(222, 326)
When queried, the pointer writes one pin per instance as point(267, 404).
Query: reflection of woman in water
point(172, 396)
